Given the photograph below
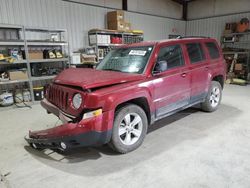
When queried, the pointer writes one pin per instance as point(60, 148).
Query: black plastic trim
point(176, 107)
point(91, 138)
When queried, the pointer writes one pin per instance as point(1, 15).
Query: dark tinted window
point(195, 52)
point(213, 50)
point(172, 55)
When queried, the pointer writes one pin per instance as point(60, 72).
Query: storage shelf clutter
point(29, 59)
point(102, 41)
point(119, 32)
point(236, 49)
point(106, 40)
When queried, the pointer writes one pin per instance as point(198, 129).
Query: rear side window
point(195, 52)
point(213, 50)
point(172, 55)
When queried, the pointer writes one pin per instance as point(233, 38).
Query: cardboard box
point(227, 31)
point(99, 39)
point(18, 75)
point(105, 39)
point(116, 25)
point(127, 26)
point(230, 27)
point(115, 15)
point(9, 34)
point(94, 39)
point(108, 39)
point(88, 58)
point(76, 58)
point(35, 55)
point(238, 67)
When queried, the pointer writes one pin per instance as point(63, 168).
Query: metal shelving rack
point(240, 45)
point(25, 42)
point(236, 40)
point(42, 42)
point(17, 42)
point(122, 34)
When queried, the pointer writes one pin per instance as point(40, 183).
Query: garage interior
point(41, 38)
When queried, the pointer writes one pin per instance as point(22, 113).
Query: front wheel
point(129, 129)
point(213, 98)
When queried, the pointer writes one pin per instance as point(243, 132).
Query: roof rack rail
point(185, 37)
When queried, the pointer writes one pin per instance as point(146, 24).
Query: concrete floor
point(190, 149)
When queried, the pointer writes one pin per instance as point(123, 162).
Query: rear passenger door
point(171, 87)
point(199, 70)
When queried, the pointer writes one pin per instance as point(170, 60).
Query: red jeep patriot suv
point(134, 86)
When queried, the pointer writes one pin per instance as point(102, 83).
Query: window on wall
point(172, 55)
point(195, 52)
point(213, 50)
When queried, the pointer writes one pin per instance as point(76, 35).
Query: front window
point(127, 60)
point(172, 55)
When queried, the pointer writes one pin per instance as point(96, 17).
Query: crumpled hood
point(92, 78)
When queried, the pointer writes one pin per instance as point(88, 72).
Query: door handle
point(206, 68)
point(183, 75)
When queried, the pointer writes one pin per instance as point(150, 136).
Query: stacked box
point(230, 28)
point(18, 74)
point(99, 39)
point(115, 15)
point(238, 67)
point(117, 25)
point(116, 21)
point(35, 54)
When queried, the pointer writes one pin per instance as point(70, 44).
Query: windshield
point(128, 60)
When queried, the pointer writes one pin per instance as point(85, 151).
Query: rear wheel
point(129, 129)
point(213, 98)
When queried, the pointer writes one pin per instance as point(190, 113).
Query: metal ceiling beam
point(178, 1)
point(184, 10)
point(124, 5)
point(184, 4)
point(182, 1)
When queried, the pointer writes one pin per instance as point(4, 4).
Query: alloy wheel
point(130, 129)
point(215, 97)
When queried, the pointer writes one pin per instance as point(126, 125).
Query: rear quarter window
point(213, 50)
point(195, 52)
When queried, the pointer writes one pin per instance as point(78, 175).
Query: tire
point(213, 98)
point(128, 136)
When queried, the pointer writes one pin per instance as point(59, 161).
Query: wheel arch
point(139, 101)
point(219, 78)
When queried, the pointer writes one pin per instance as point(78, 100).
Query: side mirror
point(160, 66)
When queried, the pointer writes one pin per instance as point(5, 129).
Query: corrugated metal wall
point(209, 8)
point(167, 8)
point(79, 18)
point(212, 27)
point(155, 27)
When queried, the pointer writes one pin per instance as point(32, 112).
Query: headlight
point(77, 101)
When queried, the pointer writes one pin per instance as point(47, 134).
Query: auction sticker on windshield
point(138, 52)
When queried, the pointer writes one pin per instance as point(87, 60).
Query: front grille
point(58, 96)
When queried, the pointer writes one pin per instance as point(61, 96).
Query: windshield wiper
point(112, 70)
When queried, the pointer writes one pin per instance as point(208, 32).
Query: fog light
point(63, 145)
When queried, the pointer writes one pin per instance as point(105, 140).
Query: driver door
point(172, 86)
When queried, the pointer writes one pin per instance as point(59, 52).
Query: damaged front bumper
point(87, 132)
point(67, 142)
